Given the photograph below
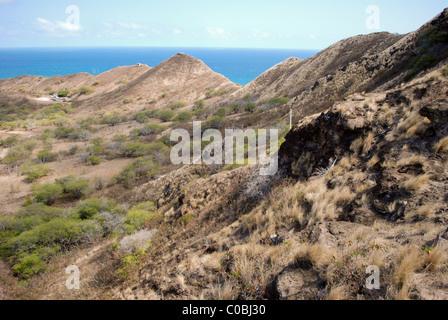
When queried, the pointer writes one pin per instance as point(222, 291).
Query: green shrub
point(16, 155)
point(46, 156)
point(250, 107)
point(85, 90)
point(111, 119)
point(133, 149)
point(10, 141)
point(63, 133)
point(29, 145)
point(63, 93)
point(47, 193)
point(277, 102)
point(140, 215)
point(200, 104)
point(127, 100)
point(22, 89)
point(33, 171)
point(28, 266)
point(148, 130)
point(183, 116)
point(57, 108)
point(77, 188)
point(141, 167)
point(209, 93)
point(221, 112)
point(166, 115)
point(97, 141)
point(90, 207)
point(94, 160)
point(178, 105)
point(425, 61)
point(141, 117)
point(213, 123)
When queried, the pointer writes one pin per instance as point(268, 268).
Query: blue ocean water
point(239, 65)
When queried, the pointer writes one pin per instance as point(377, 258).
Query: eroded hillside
point(362, 179)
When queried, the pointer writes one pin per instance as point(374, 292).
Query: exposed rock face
point(314, 141)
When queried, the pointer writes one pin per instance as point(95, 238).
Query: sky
point(276, 24)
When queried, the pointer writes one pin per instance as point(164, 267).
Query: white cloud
point(312, 36)
point(108, 25)
point(57, 27)
point(260, 34)
point(218, 33)
point(177, 31)
point(6, 1)
point(132, 26)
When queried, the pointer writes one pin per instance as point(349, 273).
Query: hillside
point(362, 179)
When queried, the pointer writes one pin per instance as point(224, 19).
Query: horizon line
point(158, 47)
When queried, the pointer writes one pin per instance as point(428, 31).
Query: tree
point(47, 193)
point(63, 93)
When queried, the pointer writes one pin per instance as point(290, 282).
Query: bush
point(213, 123)
point(148, 130)
point(63, 93)
point(131, 173)
point(33, 171)
point(28, 266)
point(277, 102)
point(47, 193)
point(133, 149)
point(425, 61)
point(141, 117)
point(85, 90)
point(77, 188)
point(198, 105)
point(111, 119)
point(90, 207)
point(250, 107)
point(221, 112)
point(209, 93)
point(166, 115)
point(94, 160)
point(183, 116)
point(178, 105)
point(127, 100)
point(10, 141)
point(63, 133)
point(141, 214)
point(46, 156)
point(16, 156)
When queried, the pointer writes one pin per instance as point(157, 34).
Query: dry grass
point(317, 254)
point(434, 259)
point(357, 145)
point(412, 125)
point(226, 291)
point(407, 262)
point(372, 162)
point(442, 145)
point(367, 145)
point(423, 212)
point(414, 184)
point(339, 292)
point(324, 202)
point(415, 159)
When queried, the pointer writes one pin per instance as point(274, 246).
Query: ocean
point(239, 65)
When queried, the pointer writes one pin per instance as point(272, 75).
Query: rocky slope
point(362, 180)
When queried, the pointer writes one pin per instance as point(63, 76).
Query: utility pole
point(290, 119)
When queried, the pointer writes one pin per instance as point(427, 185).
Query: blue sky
point(293, 24)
